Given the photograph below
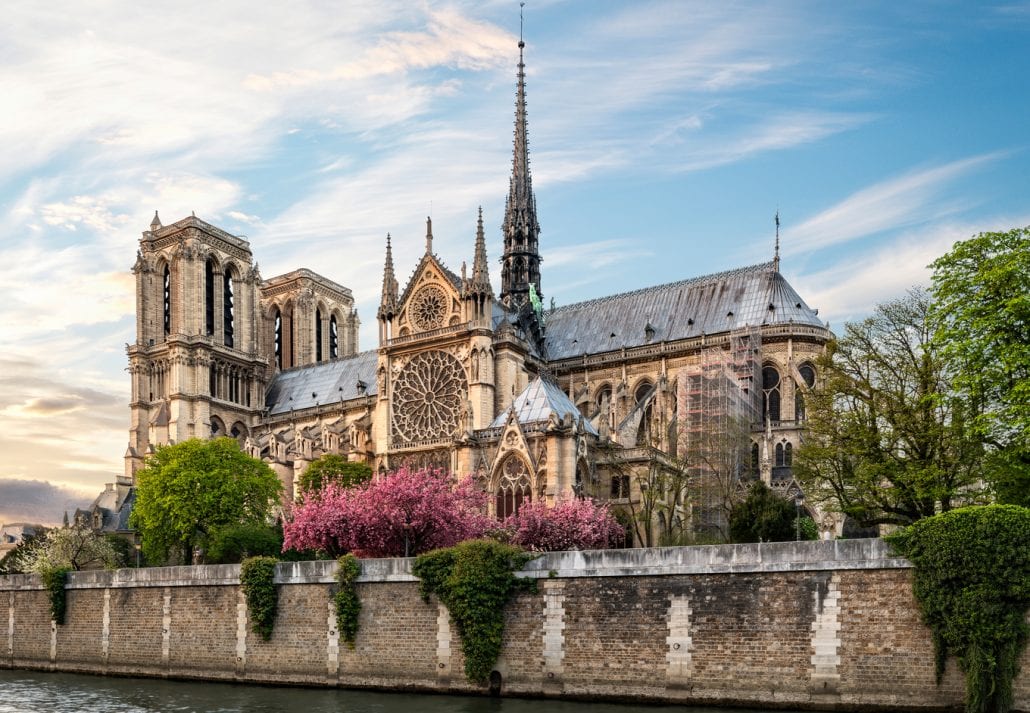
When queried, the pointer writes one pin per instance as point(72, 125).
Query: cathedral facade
point(704, 377)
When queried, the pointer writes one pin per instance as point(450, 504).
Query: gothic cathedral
point(702, 379)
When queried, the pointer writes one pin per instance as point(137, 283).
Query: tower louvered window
point(209, 298)
point(278, 339)
point(227, 307)
point(334, 338)
point(167, 301)
point(318, 335)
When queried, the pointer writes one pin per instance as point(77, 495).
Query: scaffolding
point(719, 400)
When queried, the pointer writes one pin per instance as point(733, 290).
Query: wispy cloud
point(888, 205)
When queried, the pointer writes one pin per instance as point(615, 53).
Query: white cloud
point(851, 288)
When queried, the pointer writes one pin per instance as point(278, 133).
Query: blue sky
point(664, 137)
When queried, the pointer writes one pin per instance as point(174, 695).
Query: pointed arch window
point(641, 396)
point(209, 298)
point(513, 489)
point(770, 394)
point(227, 307)
point(334, 338)
point(788, 455)
point(779, 455)
point(807, 372)
point(167, 291)
point(318, 335)
point(278, 338)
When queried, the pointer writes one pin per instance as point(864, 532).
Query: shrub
point(236, 543)
point(972, 582)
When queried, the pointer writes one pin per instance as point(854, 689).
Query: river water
point(39, 692)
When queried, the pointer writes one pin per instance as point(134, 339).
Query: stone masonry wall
point(826, 625)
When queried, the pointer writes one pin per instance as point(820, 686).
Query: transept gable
point(431, 300)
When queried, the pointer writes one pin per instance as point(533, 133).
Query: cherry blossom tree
point(568, 525)
point(403, 514)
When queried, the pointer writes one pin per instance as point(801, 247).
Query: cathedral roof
point(746, 297)
point(322, 383)
point(538, 401)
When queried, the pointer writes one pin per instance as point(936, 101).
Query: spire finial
point(776, 254)
point(156, 222)
point(521, 23)
point(429, 235)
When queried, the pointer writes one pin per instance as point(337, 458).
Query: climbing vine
point(348, 606)
point(257, 578)
point(54, 579)
point(474, 580)
point(972, 582)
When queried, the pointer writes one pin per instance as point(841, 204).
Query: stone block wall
point(822, 625)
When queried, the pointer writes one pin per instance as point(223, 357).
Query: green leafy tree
point(763, 516)
point(189, 491)
point(887, 441)
point(235, 543)
point(332, 468)
point(981, 318)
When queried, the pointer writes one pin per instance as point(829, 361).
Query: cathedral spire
point(388, 304)
point(776, 253)
point(521, 260)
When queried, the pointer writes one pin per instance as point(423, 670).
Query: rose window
point(427, 397)
point(428, 308)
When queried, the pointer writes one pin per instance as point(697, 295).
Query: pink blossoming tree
point(403, 514)
point(569, 525)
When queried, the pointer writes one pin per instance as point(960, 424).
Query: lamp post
point(799, 500)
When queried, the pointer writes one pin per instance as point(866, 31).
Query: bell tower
point(196, 368)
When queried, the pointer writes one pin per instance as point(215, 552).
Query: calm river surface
point(32, 692)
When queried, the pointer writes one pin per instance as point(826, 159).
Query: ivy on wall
point(346, 601)
point(474, 580)
point(257, 578)
point(55, 579)
point(972, 582)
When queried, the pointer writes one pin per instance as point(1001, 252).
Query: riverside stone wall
point(816, 625)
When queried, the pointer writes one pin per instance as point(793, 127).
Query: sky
point(664, 137)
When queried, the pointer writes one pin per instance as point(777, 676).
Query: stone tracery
point(428, 396)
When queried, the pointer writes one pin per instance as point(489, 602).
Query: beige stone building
point(694, 385)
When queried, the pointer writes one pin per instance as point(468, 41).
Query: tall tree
point(981, 318)
point(189, 491)
point(887, 442)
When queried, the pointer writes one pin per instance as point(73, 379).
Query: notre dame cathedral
point(608, 398)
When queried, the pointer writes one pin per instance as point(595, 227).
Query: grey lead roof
point(538, 401)
point(322, 383)
point(749, 296)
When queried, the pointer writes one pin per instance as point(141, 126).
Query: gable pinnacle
point(480, 269)
point(388, 303)
point(429, 235)
point(155, 224)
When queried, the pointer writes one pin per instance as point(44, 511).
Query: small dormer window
point(648, 333)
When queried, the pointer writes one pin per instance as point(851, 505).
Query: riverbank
point(815, 625)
